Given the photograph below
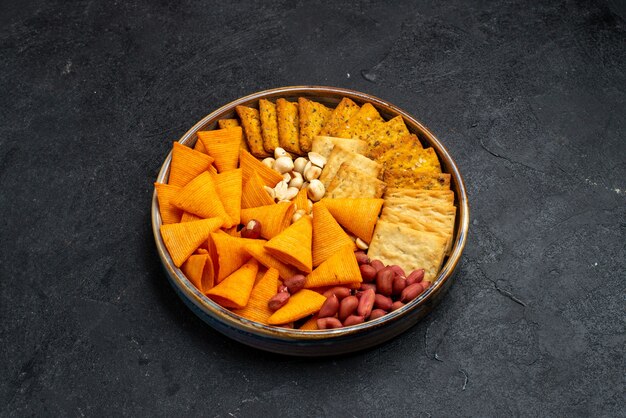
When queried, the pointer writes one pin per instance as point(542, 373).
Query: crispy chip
point(228, 184)
point(189, 217)
point(389, 135)
point(269, 125)
point(361, 123)
point(293, 245)
point(223, 146)
point(198, 270)
point(310, 324)
point(324, 145)
point(409, 158)
point(313, 116)
point(182, 239)
point(273, 218)
point(416, 179)
point(258, 251)
point(227, 123)
point(170, 214)
point(300, 305)
point(233, 231)
point(328, 237)
point(186, 165)
point(254, 193)
point(257, 309)
point(250, 165)
point(251, 123)
point(357, 215)
point(199, 146)
point(399, 244)
point(234, 291)
point(200, 197)
point(339, 117)
point(351, 182)
point(442, 196)
point(288, 125)
point(301, 201)
point(339, 269)
point(339, 156)
point(229, 253)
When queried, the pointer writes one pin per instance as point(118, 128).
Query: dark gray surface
point(529, 97)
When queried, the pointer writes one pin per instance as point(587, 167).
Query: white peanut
point(269, 161)
point(299, 164)
point(280, 152)
point(297, 180)
point(291, 193)
point(317, 159)
point(283, 165)
point(312, 173)
point(316, 190)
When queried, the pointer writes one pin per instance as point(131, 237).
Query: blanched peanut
point(361, 245)
point(283, 165)
point(316, 190)
point(269, 162)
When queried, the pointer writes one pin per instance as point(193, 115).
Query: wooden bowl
point(321, 342)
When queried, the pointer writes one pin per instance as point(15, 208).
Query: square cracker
point(323, 145)
point(416, 179)
point(340, 155)
point(339, 117)
point(288, 126)
point(313, 116)
point(399, 244)
point(444, 196)
point(353, 182)
point(269, 125)
point(442, 225)
point(386, 136)
point(361, 123)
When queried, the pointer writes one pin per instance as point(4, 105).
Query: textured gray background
point(529, 97)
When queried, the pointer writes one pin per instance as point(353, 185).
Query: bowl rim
point(241, 324)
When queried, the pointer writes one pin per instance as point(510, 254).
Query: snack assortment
point(303, 216)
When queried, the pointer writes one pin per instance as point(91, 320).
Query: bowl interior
point(329, 96)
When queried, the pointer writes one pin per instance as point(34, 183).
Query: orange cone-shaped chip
point(300, 305)
point(254, 194)
point(293, 245)
point(257, 251)
point(229, 253)
point(235, 290)
point(274, 218)
point(340, 269)
point(200, 147)
point(182, 239)
point(257, 309)
point(249, 165)
point(188, 217)
point(187, 164)
point(358, 215)
point(199, 270)
point(200, 198)
point(328, 237)
point(223, 146)
point(170, 214)
point(301, 201)
point(229, 189)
